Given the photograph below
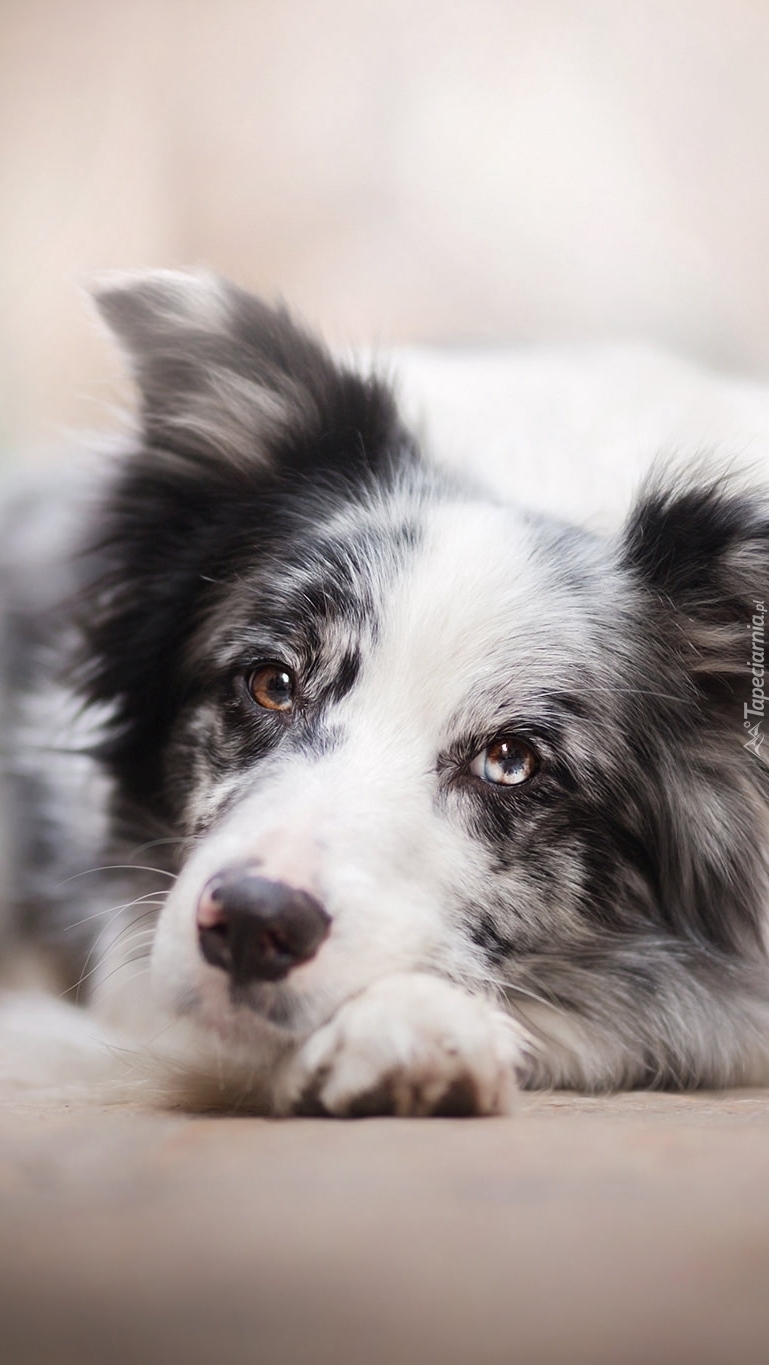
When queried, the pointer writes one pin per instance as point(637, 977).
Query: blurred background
point(414, 170)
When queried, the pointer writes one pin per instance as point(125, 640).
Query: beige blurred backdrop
point(478, 171)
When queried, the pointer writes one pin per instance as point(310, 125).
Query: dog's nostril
point(210, 912)
point(256, 929)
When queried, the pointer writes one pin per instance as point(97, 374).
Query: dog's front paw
point(409, 1045)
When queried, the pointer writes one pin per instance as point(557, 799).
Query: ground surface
point(634, 1229)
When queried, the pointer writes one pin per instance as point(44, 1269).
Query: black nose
point(255, 929)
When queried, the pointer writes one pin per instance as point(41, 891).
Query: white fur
point(568, 432)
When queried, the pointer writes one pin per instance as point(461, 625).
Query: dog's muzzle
point(256, 929)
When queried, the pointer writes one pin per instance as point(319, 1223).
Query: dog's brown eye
point(272, 686)
point(506, 763)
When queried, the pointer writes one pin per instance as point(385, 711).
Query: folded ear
point(702, 551)
point(222, 374)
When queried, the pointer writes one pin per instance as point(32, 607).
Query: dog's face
point(398, 725)
point(364, 728)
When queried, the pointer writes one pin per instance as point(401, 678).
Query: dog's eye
point(506, 763)
point(272, 686)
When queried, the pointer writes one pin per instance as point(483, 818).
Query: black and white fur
point(599, 923)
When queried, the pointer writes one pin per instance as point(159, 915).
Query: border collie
point(399, 795)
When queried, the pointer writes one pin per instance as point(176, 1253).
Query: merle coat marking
point(301, 671)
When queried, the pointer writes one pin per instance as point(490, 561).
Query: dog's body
point(450, 795)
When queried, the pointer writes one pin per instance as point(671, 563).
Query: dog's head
point(398, 724)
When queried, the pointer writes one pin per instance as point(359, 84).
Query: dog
point(393, 796)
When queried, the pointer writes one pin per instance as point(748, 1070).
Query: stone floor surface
point(627, 1230)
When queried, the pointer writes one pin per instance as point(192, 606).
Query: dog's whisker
point(125, 932)
point(141, 938)
point(107, 935)
point(179, 839)
point(150, 898)
point(135, 976)
point(119, 867)
point(87, 971)
point(84, 976)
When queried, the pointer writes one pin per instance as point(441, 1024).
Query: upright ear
point(221, 375)
point(241, 412)
point(702, 552)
